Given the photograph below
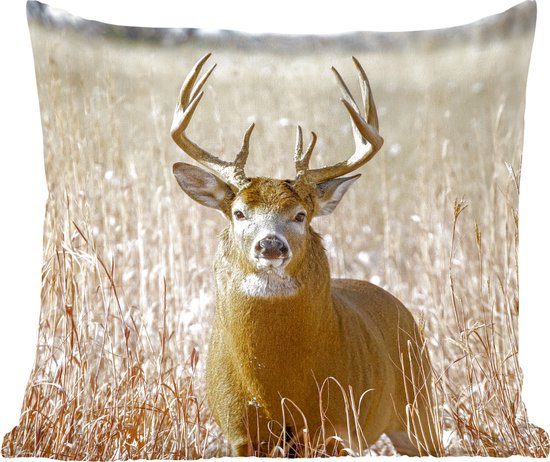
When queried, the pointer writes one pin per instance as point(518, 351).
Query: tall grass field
point(127, 278)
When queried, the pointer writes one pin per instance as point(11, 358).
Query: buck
point(285, 334)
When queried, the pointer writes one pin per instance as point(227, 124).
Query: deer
point(283, 329)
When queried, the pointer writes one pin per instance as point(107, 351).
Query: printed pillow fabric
point(128, 295)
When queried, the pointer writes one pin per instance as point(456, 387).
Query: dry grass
point(127, 284)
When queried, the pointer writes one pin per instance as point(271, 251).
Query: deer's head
point(270, 218)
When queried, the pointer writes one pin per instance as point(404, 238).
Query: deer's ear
point(330, 192)
point(203, 186)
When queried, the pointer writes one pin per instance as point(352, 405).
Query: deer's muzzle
point(271, 247)
point(271, 251)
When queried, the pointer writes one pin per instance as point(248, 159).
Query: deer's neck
point(272, 344)
point(296, 305)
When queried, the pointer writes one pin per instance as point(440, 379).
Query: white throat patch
point(267, 284)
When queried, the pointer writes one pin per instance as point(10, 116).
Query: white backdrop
point(22, 181)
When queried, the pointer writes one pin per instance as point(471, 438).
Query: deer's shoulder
point(369, 301)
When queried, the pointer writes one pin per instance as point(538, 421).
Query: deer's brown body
point(263, 350)
point(285, 335)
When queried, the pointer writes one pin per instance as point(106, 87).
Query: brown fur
point(263, 350)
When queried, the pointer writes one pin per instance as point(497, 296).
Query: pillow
point(128, 297)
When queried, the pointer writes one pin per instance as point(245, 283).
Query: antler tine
point(298, 153)
point(190, 95)
point(242, 156)
point(189, 90)
point(365, 131)
point(301, 160)
point(366, 93)
point(344, 89)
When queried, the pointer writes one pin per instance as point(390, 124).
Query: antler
point(365, 133)
point(301, 160)
point(190, 95)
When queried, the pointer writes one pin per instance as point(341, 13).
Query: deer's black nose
point(271, 247)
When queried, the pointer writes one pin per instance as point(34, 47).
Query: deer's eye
point(239, 215)
point(300, 217)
